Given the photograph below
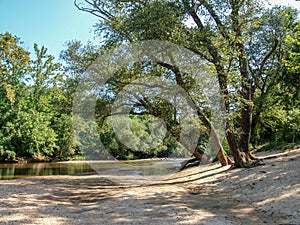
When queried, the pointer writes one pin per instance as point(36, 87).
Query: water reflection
point(140, 167)
point(14, 171)
point(145, 168)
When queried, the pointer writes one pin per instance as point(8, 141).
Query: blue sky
point(53, 22)
point(47, 22)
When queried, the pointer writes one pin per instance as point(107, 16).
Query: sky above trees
point(52, 23)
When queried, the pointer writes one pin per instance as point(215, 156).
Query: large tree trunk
point(246, 125)
point(247, 106)
point(247, 102)
point(246, 89)
point(239, 159)
point(231, 140)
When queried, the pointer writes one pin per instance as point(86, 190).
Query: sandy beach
point(210, 194)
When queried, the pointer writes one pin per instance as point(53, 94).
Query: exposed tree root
point(189, 163)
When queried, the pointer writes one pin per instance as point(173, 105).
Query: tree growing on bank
point(33, 123)
point(234, 36)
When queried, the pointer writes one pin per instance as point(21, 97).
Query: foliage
point(253, 50)
point(168, 148)
point(32, 124)
point(243, 41)
point(277, 113)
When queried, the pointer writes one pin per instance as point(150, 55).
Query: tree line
point(252, 49)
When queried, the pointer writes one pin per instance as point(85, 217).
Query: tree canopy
point(252, 50)
point(244, 43)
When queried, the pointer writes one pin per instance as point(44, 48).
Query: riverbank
point(210, 194)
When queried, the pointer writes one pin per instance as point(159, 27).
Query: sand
point(210, 194)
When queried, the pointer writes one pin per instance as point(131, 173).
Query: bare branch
point(94, 9)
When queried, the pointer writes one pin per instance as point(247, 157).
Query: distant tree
point(14, 62)
point(32, 125)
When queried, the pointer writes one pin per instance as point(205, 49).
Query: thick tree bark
point(246, 88)
point(246, 124)
point(247, 104)
point(231, 140)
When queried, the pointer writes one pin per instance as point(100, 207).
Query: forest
point(253, 50)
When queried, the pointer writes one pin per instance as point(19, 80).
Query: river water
point(140, 167)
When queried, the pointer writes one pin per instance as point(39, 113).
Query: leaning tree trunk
point(231, 140)
point(215, 141)
point(222, 78)
point(217, 145)
point(239, 159)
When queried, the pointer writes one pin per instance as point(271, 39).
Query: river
point(139, 167)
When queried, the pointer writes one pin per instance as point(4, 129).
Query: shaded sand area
point(210, 194)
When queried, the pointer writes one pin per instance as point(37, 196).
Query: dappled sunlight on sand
point(210, 194)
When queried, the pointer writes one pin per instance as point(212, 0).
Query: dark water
point(145, 168)
point(22, 170)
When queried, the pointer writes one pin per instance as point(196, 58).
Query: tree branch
point(197, 52)
point(216, 19)
point(260, 71)
point(94, 9)
point(193, 14)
